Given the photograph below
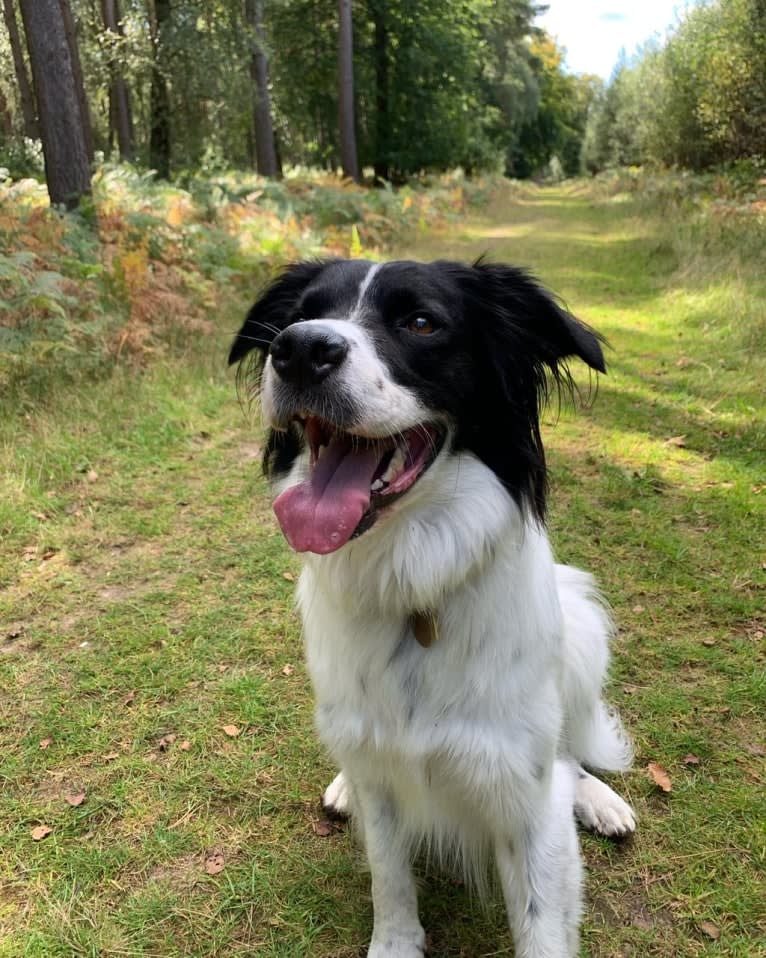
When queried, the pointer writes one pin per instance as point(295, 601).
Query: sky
point(594, 31)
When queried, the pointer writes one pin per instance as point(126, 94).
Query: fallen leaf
point(214, 863)
point(629, 689)
point(91, 475)
point(14, 631)
point(323, 828)
point(30, 553)
point(75, 799)
point(288, 669)
point(679, 441)
point(49, 554)
point(638, 609)
point(232, 730)
point(289, 576)
point(42, 831)
point(756, 749)
point(709, 929)
point(45, 742)
point(185, 745)
point(690, 759)
point(39, 515)
point(708, 642)
point(165, 742)
point(111, 756)
point(659, 776)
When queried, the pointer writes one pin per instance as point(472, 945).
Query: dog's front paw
point(336, 800)
point(398, 944)
point(601, 810)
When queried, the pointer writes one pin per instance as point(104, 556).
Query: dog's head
point(371, 372)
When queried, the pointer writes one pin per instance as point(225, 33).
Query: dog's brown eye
point(421, 325)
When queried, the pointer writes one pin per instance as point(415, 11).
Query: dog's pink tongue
point(320, 514)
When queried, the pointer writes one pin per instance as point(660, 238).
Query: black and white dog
point(457, 668)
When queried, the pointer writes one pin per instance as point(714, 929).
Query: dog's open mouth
point(351, 480)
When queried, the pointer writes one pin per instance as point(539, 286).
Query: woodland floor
point(155, 714)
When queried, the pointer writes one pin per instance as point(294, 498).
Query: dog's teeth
point(377, 485)
point(397, 461)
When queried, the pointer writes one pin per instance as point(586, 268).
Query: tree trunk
point(6, 121)
point(265, 149)
point(159, 130)
point(28, 111)
point(67, 167)
point(382, 107)
point(120, 112)
point(79, 80)
point(348, 157)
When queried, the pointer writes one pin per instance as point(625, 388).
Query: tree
point(159, 124)
point(265, 147)
point(28, 111)
point(79, 81)
point(120, 110)
point(59, 101)
point(346, 120)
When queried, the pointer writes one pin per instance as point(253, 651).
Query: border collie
point(457, 669)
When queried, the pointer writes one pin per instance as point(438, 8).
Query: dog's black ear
point(274, 309)
point(539, 323)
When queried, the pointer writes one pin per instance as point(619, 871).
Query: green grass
point(146, 594)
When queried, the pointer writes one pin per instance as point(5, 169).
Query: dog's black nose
point(304, 355)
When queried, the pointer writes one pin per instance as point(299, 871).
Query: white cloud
point(594, 31)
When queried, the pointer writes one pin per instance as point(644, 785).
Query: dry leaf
point(679, 441)
point(14, 631)
point(659, 776)
point(91, 475)
point(709, 929)
point(75, 799)
point(323, 828)
point(39, 515)
point(130, 698)
point(111, 756)
point(42, 831)
point(289, 576)
point(185, 745)
point(214, 863)
point(755, 749)
point(691, 759)
point(232, 730)
point(165, 742)
point(288, 669)
point(708, 642)
point(49, 554)
point(45, 742)
point(638, 609)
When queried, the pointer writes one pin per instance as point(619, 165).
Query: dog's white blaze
point(364, 286)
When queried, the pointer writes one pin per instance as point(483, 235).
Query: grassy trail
point(149, 659)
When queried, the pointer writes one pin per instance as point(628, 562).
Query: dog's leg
point(600, 809)
point(541, 875)
point(397, 932)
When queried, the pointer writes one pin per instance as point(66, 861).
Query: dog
point(457, 669)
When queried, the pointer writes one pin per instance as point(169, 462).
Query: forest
point(395, 88)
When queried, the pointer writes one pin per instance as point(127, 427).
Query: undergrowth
point(143, 265)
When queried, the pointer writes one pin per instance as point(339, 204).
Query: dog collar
point(425, 628)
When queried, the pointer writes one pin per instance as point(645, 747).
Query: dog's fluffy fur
point(475, 746)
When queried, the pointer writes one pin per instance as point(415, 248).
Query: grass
point(146, 609)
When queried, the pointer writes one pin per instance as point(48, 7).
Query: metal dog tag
point(425, 628)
